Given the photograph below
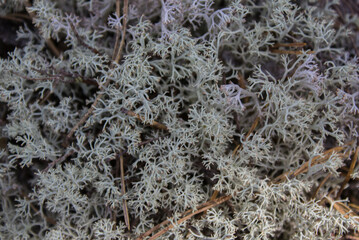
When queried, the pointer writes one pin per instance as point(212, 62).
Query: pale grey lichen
point(180, 68)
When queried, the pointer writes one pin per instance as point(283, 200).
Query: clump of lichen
point(122, 114)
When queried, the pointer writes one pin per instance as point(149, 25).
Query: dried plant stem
point(243, 85)
point(275, 49)
point(314, 161)
point(37, 211)
point(350, 172)
point(142, 119)
point(241, 81)
point(87, 114)
point(59, 160)
point(350, 237)
point(341, 208)
point(201, 208)
point(123, 192)
point(279, 51)
point(354, 206)
point(254, 125)
point(115, 50)
point(296, 44)
point(321, 185)
point(11, 17)
point(119, 46)
point(82, 42)
point(213, 197)
point(50, 43)
point(99, 96)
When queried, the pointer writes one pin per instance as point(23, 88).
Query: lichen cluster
point(120, 115)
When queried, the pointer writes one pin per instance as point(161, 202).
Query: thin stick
point(342, 208)
point(316, 160)
point(321, 185)
point(82, 42)
point(354, 45)
point(87, 114)
point(123, 192)
point(354, 206)
point(254, 125)
point(19, 15)
point(213, 197)
point(36, 79)
point(279, 51)
point(59, 160)
point(351, 169)
point(158, 226)
point(12, 18)
point(242, 84)
point(99, 96)
point(48, 41)
point(206, 206)
point(350, 237)
point(297, 44)
point(122, 44)
point(241, 81)
point(115, 50)
point(142, 119)
point(36, 210)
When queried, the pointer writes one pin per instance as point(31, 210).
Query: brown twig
point(354, 206)
point(82, 42)
point(142, 119)
point(43, 100)
point(321, 184)
point(279, 51)
point(274, 48)
point(296, 44)
point(254, 125)
point(19, 15)
point(60, 77)
point(350, 172)
point(36, 79)
point(118, 48)
point(36, 210)
point(213, 197)
point(123, 192)
point(49, 41)
point(117, 42)
point(354, 45)
point(87, 114)
point(12, 18)
point(314, 161)
point(342, 208)
point(202, 208)
point(59, 160)
point(241, 81)
point(99, 96)
point(350, 237)
point(243, 85)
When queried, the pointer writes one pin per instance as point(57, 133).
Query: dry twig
point(314, 161)
point(50, 43)
point(118, 54)
point(350, 172)
point(201, 208)
point(321, 185)
point(59, 160)
point(123, 192)
point(142, 119)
